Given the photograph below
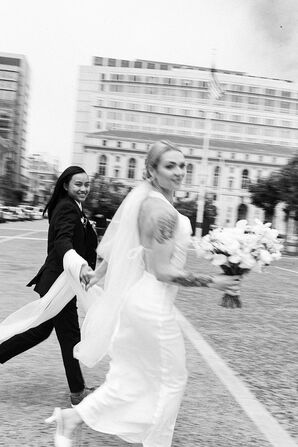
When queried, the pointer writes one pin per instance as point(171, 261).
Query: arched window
point(245, 179)
point(216, 176)
point(189, 173)
point(102, 165)
point(242, 211)
point(131, 168)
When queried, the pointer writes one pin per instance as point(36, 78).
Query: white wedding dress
point(141, 396)
point(133, 320)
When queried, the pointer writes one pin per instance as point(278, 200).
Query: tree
point(105, 196)
point(266, 194)
point(289, 187)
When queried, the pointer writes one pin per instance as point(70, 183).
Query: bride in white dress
point(144, 252)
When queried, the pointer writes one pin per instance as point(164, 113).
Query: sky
point(259, 37)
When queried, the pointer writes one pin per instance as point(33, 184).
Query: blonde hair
point(155, 152)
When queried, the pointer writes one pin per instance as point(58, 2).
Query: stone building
point(123, 106)
point(14, 94)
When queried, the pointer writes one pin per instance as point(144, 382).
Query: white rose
point(265, 256)
point(219, 259)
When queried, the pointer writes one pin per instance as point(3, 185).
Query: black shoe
point(76, 398)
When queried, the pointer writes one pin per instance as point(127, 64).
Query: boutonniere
point(84, 221)
point(93, 224)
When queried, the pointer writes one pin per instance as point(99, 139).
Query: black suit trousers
point(67, 329)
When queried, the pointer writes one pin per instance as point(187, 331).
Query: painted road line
point(9, 238)
point(31, 238)
point(20, 229)
point(256, 411)
point(287, 270)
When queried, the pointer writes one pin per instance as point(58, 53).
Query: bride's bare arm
point(160, 223)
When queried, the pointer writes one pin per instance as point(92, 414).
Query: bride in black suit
point(69, 229)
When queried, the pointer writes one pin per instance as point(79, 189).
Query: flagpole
point(214, 92)
point(204, 169)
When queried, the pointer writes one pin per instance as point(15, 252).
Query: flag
point(215, 89)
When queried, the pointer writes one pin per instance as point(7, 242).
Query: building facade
point(14, 94)
point(253, 125)
point(42, 175)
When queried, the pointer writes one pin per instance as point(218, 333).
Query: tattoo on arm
point(190, 280)
point(165, 228)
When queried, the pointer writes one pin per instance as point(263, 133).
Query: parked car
point(9, 214)
point(1, 215)
point(19, 212)
point(32, 212)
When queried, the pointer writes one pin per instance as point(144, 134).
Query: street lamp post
point(204, 169)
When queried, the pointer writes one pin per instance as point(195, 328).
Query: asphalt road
point(257, 345)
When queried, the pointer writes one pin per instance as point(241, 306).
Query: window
point(269, 103)
point(245, 179)
point(119, 144)
point(189, 174)
point(102, 165)
point(216, 176)
point(104, 142)
point(112, 62)
point(252, 119)
point(286, 94)
point(133, 145)
point(131, 168)
point(253, 100)
point(253, 90)
point(230, 182)
point(285, 106)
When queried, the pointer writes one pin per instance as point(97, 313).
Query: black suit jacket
point(66, 231)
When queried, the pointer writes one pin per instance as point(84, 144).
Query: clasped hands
point(88, 277)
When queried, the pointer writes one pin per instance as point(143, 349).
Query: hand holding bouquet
point(240, 249)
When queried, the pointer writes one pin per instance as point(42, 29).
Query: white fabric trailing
point(102, 307)
point(66, 286)
point(117, 246)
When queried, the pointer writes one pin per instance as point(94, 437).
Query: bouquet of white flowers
point(240, 249)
